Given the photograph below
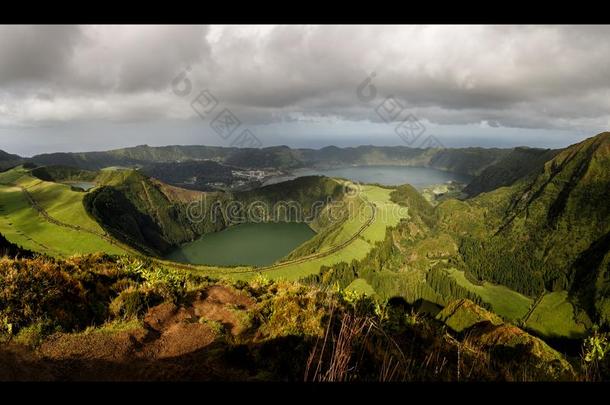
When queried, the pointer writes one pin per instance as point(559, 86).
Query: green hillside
point(24, 202)
point(60, 174)
point(554, 224)
point(469, 161)
point(144, 213)
point(8, 160)
point(104, 318)
point(504, 249)
point(534, 252)
point(518, 163)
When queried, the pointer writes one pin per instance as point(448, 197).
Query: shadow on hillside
point(280, 359)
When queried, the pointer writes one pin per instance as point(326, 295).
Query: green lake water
point(257, 244)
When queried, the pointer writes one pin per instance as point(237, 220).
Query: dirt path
point(533, 308)
point(77, 228)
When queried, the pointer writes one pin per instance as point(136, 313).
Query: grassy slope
point(554, 317)
point(504, 301)
point(387, 214)
point(361, 286)
point(420, 245)
point(548, 223)
point(530, 233)
point(21, 223)
point(135, 209)
point(60, 202)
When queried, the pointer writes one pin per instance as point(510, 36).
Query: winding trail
point(77, 228)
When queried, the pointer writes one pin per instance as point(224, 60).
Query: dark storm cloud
point(509, 76)
point(36, 54)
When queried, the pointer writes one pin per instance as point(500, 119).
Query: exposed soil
point(172, 343)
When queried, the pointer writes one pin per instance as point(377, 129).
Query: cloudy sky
point(99, 87)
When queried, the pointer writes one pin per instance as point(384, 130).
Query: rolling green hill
point(547, 232)
point(470, 161)
point(60, 174)
point(535, 251)
point(49, 217)
point(8, 160)
point(518, 163)
point(550, 231)
point(145, 213)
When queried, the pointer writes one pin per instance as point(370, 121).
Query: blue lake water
point(419, 177)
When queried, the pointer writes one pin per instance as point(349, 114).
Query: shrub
point(294, 310)
point(134, 302)
point(217, 327)
point(34, 334)
point(169, 284)
point(36, 290)
point(595, 347)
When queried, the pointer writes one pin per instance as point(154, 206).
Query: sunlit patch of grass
point(23, 225)
point(361, 286)
point(504, 301)
point(115, 326)
point(554, 317)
